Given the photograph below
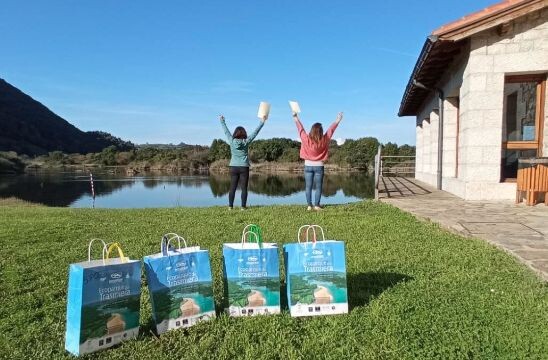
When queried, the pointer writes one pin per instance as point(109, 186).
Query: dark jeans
point(313, 174)
point(238, 174)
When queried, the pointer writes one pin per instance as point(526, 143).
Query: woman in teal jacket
point(239, 159)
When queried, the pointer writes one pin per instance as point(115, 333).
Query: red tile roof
point(488, 12)
point(443, 45)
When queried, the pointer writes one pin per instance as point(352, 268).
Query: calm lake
point(72, 189)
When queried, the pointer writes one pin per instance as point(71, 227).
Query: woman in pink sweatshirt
point(314, 151)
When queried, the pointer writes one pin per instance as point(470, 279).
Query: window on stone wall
point(522, 123)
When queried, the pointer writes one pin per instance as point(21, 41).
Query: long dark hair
point(316, 133)
point(239, 133)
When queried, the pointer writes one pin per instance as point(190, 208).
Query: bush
point(219, 150)
point(11, 163)
point(290, 155)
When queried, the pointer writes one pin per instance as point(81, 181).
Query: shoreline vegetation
point(266, 155)
point(217, 167)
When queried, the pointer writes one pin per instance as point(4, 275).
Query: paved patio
point(518, 229)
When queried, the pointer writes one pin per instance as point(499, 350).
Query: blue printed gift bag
point(180, 285)
point(252, 275)
point(315, 275)
point(103, 301)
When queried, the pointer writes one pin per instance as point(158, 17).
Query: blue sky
point(161, 72)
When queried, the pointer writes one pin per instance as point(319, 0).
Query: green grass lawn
point(415, 290)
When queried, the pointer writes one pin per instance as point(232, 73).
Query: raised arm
point(253, 135)
point(300, 128)
point(333, 126)
point(225, 128)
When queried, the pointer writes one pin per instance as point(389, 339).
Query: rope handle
point(166, 240)
point(255, 230)
point(247, 233)
point(299, 233)
point(308, 228)
point(120, 252)
point(179, 238)
point(314, 227)
point(102, 252)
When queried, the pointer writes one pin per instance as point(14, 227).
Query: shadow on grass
point(365, 287)
point(362, 288)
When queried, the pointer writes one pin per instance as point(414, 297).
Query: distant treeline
point(358, 154)
point(353, 153)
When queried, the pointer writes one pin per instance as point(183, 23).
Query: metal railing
point(377, 171)
point(392, 165)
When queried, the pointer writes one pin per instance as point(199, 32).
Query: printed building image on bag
point(316, 276)
point(180, 285)
point(103, 302)
point(252, 276)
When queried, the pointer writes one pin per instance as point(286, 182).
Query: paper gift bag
point(180, 285)
point(315, 275)
point(252, 276)
point(102, 302)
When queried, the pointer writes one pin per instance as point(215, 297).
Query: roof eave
point(449, 38)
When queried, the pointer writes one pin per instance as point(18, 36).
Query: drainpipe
point(441, 98)
point(440, 138)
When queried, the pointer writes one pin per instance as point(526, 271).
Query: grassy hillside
point(415, 290)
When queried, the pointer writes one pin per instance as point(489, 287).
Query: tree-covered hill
point(28, 127)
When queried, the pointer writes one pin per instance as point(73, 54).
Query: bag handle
point(250, 233)
point(255, 230)
point(308, 228)
point(120, 252)
point(166, 239)
point(313, 228)
point(299, 233)
point(102, 252)
point(178, 240)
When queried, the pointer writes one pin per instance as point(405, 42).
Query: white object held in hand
point(264, 110)
point(295, 108)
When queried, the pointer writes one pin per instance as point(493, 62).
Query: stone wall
point(450, 107)
point(477, 78)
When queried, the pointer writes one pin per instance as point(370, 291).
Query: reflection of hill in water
point(55, 189)
point(63, 189)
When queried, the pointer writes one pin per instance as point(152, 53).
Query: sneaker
point(243, 208)
point(309, 208)
point(230, 208)
point(318, 208)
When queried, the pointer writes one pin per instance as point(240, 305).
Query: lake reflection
point(152, 190)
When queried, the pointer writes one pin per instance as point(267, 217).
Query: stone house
point(483, 77)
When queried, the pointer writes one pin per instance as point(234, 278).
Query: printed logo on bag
point(253, 281)
point(109, 300)
point(181, 290)
point(316, 279)
point(181, 266)
point(116, 278)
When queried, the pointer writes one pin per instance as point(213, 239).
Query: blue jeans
point(313, 174)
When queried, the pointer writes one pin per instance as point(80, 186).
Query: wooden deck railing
point(392, 165)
